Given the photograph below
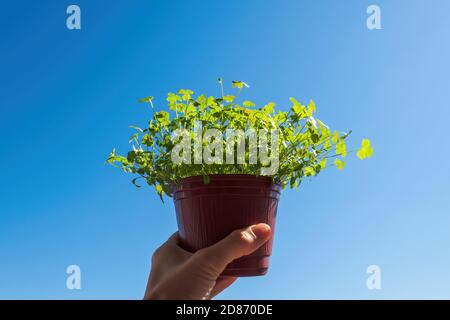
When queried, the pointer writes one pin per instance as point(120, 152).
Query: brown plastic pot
point(207, 213)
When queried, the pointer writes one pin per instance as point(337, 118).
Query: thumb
point(237, 244)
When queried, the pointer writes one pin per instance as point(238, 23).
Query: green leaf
point(366, 150)
point(112, 157)
point(190, 108)
point(163, 118)
point(327, 145)
point(173, 98)
point(239, 84)
point(281, 117)
point(325, 131)
point(228, 98)
point(146, 99)
point(335, 137)
point(309, 171)
point(341, 148)
point(339, 164)
point(159, 191)
point(294, 182)
point(269, 108)
point(294, 101)
point(315, 137)
point(311, 107)
point(298, 109)
point(248, 104)
point(147, 140)
point(185, 93)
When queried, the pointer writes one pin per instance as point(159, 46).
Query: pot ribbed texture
point(208, 213)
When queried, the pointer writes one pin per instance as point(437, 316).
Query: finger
point(172, 245)
point(239, 243)
point(173, 240)
point(221, 284)
point(167, 257)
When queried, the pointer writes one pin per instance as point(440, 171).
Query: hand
point(180, 275)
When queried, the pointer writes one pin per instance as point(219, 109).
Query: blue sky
point(68, 97)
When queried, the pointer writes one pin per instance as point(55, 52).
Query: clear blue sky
point(67, 97)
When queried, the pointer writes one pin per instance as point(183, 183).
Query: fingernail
point(261, 230)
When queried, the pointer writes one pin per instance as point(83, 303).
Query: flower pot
point(207, 213)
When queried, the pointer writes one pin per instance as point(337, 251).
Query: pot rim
point(227, 177)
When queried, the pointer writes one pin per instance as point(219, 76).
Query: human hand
point(180, 275)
